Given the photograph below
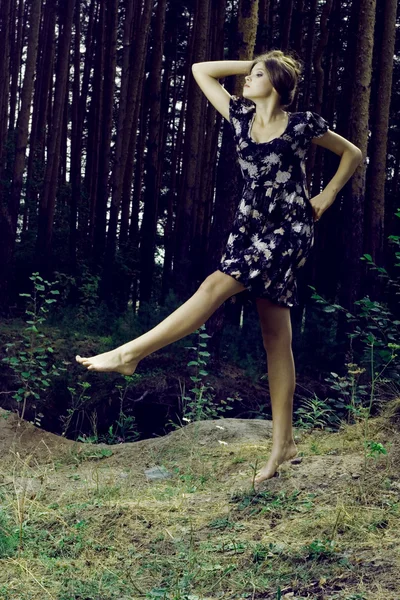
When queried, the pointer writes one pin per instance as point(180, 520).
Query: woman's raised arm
point(207, 74)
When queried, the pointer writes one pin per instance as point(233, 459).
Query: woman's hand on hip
point(321, 203)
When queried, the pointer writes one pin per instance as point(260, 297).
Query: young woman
point(273, 229)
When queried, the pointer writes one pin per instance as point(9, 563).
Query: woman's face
point(258, 84)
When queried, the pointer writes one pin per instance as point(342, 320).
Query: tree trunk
point(37, 140)
point(353, 208)
point(314, 166)
point(97, 206)
point(127, 40)
point(76, 136)
point(286, 14)
point(6, 228)
point(47, 204)
point(16, 49)
point(264, 26)
point(10, 211)
point(376, 179)
point(133, 91)
point(108, 88)
point(21, 138)
point(202, 224)
point(78, 188)
point(192, 155)
point(148, 232)
point(180, 92)
point(307, 74)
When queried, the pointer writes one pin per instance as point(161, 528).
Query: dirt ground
point(29, 456)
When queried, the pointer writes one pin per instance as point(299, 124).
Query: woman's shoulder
point(313, 123)
point(309, 124)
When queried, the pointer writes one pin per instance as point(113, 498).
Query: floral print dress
point(273, 228)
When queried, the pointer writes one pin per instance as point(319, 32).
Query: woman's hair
point(284, 72)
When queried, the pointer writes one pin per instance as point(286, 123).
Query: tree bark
point(148, 232)
point(375, 196)
point(192, 155)
point(353, 208)
point(48, 200)
point(133, 91)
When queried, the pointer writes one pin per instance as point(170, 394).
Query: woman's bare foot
point(120, 360)
point(278, 456)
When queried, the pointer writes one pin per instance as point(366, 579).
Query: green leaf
point(329, 309)
point(33, 328)
point(56, 292)
point(25, 295)
point(192, 363)
point(204, 354)
point(40, 287)
point(201, 372)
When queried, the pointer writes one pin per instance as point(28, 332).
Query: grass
point(97, 529)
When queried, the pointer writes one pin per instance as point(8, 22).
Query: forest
point(119, 183)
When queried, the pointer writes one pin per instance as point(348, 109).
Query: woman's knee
point(273, 338)
point(276, 326)
point(221, 285)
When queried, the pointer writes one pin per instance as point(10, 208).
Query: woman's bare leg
point(214, 290)
point(277, 338)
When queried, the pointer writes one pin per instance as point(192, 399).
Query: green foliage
point(124, 430)
point(315, 412)
point(375, 449)
point(377, 334)
point(8, 536)
point(82, 307)
point(31, 357)
point(376, 331)
point(78, 402)
point(320, 549)
point(89, 295)
point(243, 346)
point(201, 405)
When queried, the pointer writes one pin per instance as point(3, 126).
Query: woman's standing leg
point(214, 290)
point(277, 337)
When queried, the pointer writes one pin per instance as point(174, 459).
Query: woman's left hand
point(321, 203)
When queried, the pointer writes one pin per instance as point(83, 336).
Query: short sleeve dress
point(273, 228)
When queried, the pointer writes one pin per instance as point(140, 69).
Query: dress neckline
point(275, 138)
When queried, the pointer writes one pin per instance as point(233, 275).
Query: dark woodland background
point(120, 179)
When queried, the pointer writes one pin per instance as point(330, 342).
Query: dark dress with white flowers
point(273, 228)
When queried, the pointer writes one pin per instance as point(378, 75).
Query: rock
point(157, 472)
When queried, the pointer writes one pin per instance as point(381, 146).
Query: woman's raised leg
point(277, 337)
point(214, 290)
